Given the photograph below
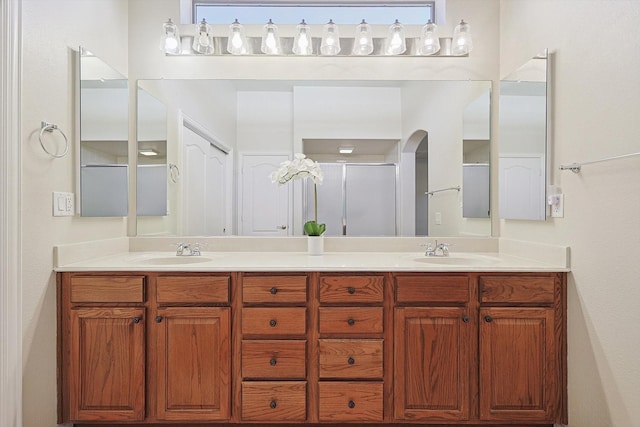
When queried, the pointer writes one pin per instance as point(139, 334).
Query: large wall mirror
point(523, 141)
point(104, 137)
point(418, 149)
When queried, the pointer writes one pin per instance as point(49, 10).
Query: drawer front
point(517, 289)
point(274, 322)
point(360, 359)
point(274, 290)
point(351, 320)
point(107, 289)
point(428, 289)
point(350, 401)
point(274, 401)
point(274, 359)
point(351, 289)
point(192, 289)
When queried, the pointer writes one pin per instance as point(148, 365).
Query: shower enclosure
point(355, 199)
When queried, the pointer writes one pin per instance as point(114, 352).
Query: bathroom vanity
point(457, 344)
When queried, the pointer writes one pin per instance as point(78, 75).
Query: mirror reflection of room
point(399, 140)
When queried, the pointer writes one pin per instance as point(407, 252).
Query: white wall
point(596, 109)
point(51, 30)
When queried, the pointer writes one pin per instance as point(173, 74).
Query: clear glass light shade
point(302, 44)
point(462, 43)
point(237, 41)
point(270, 40)
point(170, 42)
point(363, 42)
point(396, 44)
point(203, 39)
point(330, 44)
point(429, 40)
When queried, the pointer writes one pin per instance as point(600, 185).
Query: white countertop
point(301, 261)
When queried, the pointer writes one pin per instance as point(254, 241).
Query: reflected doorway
point(422, 186)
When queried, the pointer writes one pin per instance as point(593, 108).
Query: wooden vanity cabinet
point(144, 347)
point(312, 348)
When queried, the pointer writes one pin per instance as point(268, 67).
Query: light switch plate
point(63, 203)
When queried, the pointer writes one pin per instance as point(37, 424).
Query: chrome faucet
point(185, 249)
point(441, 249)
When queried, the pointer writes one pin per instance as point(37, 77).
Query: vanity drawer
point(274, 322)
point(350, 401)
point(271, 359)
point(274, 289)
point(274, 401)
point(351, 359)
point(351, 289)
point(432, 289)
point(192, 289)
point(517, 289)
point(107, 289)
point(351, 320)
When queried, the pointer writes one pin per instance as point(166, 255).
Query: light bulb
point(395, 41)
point(302, 44)
point(270, 40)
point(462, 43)
point(203, 41)
point(170, 42)
point(237, 42)
point(429, 40)
point(330, 39)
point(363, 43)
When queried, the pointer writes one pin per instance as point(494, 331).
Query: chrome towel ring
point(50, 127)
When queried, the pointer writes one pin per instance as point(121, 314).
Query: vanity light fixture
point(429, 40)
point(170, 43)
point(462, 43)
point(330, 44)
point(270, 40)
point(148, 152)
point(363, 43)
point(302, 44)
point(396, 43)
point(203, 40)
point(345, 150)
point(237, 41)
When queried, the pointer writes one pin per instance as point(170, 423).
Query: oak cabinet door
point(519, 378)
point(107, 364)
point(432, 363)
point(194, 360)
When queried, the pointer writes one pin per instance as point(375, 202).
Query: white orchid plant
point(302, 168)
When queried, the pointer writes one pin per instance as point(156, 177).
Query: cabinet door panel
point(432, 363)
point(193, 363)
point(518, 373)
point(107, 364)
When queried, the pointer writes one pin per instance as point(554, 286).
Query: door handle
point(281, 227)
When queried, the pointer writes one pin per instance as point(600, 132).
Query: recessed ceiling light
point(148, 152)
point(345, 150)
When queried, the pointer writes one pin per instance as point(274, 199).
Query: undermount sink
point(457, 260)
point(170, 260)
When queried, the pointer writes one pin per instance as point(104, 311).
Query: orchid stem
point(315, 202)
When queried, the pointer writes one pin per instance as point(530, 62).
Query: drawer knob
point(465, 319)
point(273, 290)
point(351, 322)
point(273, 404)
point(137, 319)
point(488, 319)
point(352, 404)
point(272, 323)
point(159, 319)
point(351, 361)
point(273, 361)
point(351, 290)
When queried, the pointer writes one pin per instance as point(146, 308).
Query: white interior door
point(264, 209)
point(521, 187)
point(203, 187)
